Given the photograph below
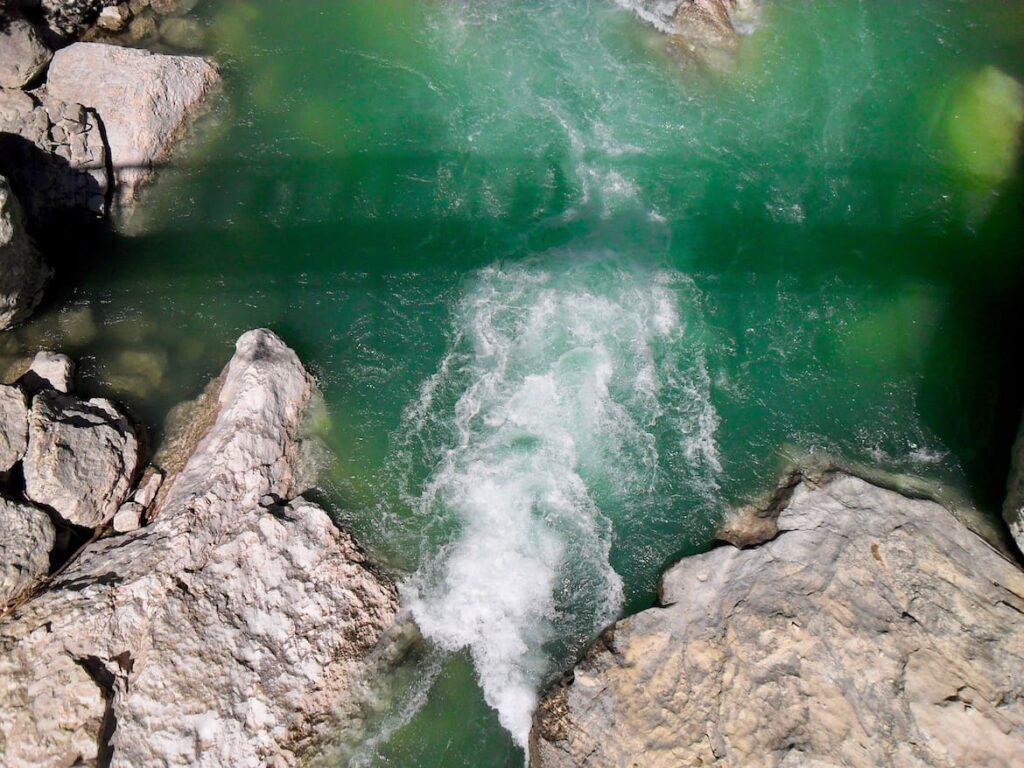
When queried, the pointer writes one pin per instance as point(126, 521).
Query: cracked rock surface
point(873, 630)
point(223, 632)
point(81, 457)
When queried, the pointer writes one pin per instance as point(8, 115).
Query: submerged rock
point(222, 633)
point(146, 101)
point(872, 630)
point(22, 270)
point(81, 458)
point(28, 537)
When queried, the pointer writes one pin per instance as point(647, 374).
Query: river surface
point(569, 297)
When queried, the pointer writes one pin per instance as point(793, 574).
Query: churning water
point(569, 296)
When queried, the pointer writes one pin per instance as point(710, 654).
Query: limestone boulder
point(874, 629)
point(23, 273)
point(145, 100)
point(81, 457)
point(224, 632)
point(13, 426)
point(23, 54)
point(28, 537)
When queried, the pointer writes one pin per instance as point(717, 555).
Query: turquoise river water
point(569, 297)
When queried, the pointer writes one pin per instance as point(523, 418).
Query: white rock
point(222, 633)
point(874, 630)
point(128, 517)
point(22, 270)
point(146, 101)
point(50, 370)
point(13, 426)
point(114, 18)
point(23, 55)
point(81, 457)
point(28, 537)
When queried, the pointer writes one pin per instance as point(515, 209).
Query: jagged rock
point(81, 457)
point(221, 633)
point(13, 426)
point(54, 154)
point(28, 536)
point(873, 630)
point(49, 370)
point(22, 270)
point(145, 100)
point(23, 55)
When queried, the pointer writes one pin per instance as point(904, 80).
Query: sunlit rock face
point(873, 629)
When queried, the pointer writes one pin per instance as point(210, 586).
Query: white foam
point(557, 376)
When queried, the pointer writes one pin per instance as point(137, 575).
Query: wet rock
point(274, 609)
point(182, 33)
point(873, 630)
point(81, 457)
point(13, 426)
point(49, 370)
point(23, 55)
point(54, 155)
point(28, 537)
point(146, 101)
point(22, 270)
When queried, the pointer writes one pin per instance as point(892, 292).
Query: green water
point(569, 297)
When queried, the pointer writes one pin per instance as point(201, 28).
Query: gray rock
point(873, 630)
point(81, 457)
point(28, 537)
point(146, 101)
point(128, 517)
point(49, 370)
point(13, 426)
point(54, 154)
point(22, 270)
point(23, 55)
point(270, 614)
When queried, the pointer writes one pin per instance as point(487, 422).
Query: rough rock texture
point(28, 536)
point(1013, 507)
point(220, 633)
point(81, 458)
point(49, 370)
point(22, 270)
point(23, 56)
point(145, 101)
point(874, 630)
point(13, 426)
point(54, 154)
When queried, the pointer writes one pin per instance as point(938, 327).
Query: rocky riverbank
point(866, 628)
point(229, 629)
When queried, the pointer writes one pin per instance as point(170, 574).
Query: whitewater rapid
point(552, 397)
